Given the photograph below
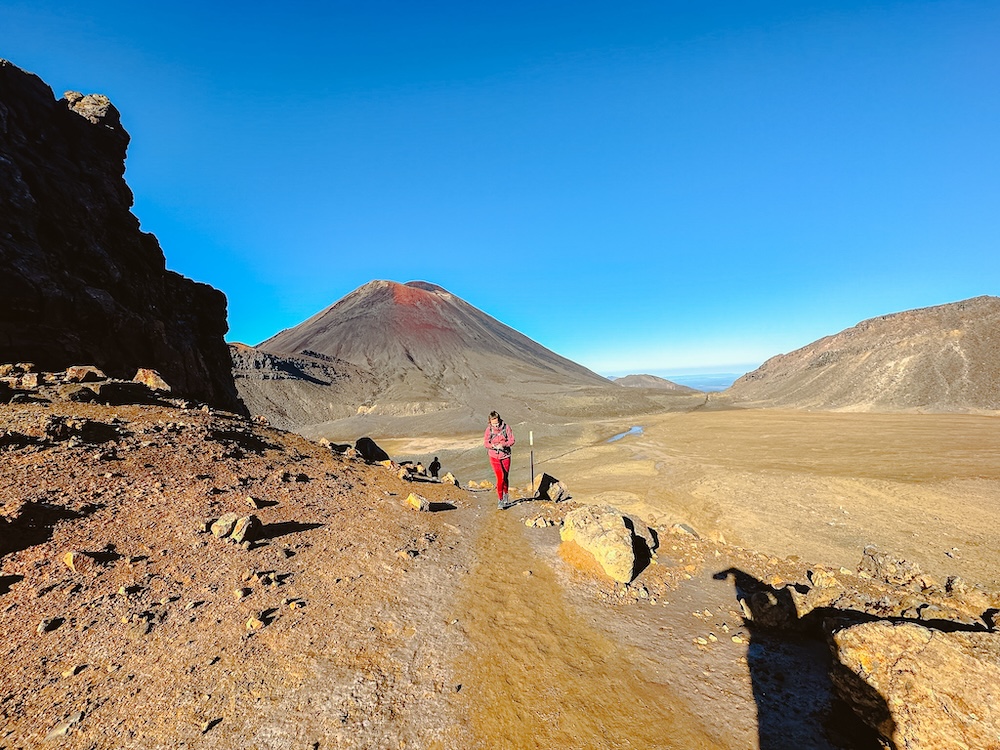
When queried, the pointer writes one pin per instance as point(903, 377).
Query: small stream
point(631, 431)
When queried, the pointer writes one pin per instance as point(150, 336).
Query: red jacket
point(498, 440)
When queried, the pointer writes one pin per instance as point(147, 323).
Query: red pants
point(501, 467)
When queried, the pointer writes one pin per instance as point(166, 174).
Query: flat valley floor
point(813, 486)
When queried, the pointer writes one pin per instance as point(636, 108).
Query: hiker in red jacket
point(498, 440)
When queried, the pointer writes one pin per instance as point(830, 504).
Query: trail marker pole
point(531, 455)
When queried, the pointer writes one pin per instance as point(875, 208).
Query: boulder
point(417, 502)
point(449, 478)
point(79, 562)
point(151, 379)
point(882, 566)
point(547, 487)
point(368, 450)
point(84, 374)
point(225, 525)
point(246, 529)
point(920, 687)
point(601, 531)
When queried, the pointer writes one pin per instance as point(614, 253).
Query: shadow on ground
point(34, 525)
point(282, 528)
point(790, 664)
point(436, 507)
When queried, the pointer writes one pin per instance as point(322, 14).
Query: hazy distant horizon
point(703, 379)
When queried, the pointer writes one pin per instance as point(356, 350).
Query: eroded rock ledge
point(79, 281)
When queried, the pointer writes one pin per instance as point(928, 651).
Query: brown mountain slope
point(435, 360)
point(944, 358)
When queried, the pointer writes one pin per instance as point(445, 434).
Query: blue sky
point(640, 186)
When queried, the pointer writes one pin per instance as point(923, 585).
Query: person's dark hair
point(494, 414)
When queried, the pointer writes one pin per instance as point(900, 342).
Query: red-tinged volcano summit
point(391, 328)
point(426, 353)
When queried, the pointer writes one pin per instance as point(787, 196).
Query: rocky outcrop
point(936, 689)
point(79, 281)
point(291, 391)
point(944, 359)
point(917, 660)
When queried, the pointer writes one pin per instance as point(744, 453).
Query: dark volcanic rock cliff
point(79, 282)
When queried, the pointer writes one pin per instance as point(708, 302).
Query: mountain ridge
point(939, 358)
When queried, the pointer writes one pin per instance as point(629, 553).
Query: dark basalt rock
point(79, 281)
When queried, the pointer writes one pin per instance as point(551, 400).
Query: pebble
point(254, 624)
point(73, 671)
point(701, 641)
point(48, 624)
point(63, 727)
point(737, 639)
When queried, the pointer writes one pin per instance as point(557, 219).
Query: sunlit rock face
point(79, 281)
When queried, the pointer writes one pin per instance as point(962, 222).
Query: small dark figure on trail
point(498, 440)
point(434, 468)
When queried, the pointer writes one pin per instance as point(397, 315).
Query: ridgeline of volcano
point(416, 351)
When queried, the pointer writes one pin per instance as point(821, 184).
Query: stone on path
point(546, 487)
point(246, 529)
point(224, 526)
point(418, 502)
point(601, 531)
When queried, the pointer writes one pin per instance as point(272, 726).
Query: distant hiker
point(434, 468)
point(498, 440)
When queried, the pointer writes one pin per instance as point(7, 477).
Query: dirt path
point(537, 675)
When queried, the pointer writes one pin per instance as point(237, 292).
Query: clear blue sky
point(639, 186)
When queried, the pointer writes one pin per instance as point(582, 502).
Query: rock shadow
point(34, 523)
point(790, 672)
point(439, 506)
point(641, 549)
point(7, 581)
point(283, 528)
point(244, 440)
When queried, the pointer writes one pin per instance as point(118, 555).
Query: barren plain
point(817, 486)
